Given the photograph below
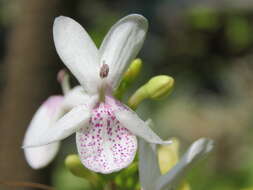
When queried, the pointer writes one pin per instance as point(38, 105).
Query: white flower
point(105, 128)
point(149, 171)
point(47, 114)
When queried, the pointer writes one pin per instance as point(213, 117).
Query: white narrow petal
point(196, 151)
point(77, 96)
point(40, 157)
point(137, 126)
point(72, 121)
point(43, 118)
point(105, 146)
point(148, 165)
point(121, 45)
point(77, 51)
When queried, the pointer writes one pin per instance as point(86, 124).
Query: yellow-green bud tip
point(72, 159)
point(133, 70)
point(159, 86)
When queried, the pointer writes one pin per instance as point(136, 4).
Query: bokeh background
point(207, 46)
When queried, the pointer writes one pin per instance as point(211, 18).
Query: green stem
point(137, 98)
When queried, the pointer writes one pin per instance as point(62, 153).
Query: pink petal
point(105, 146)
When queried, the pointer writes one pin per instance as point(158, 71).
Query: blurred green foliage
point(203, 18)
point(238, 32)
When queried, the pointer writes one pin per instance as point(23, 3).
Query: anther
point(104, 70)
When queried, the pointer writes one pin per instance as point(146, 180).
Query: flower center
point(104, 70)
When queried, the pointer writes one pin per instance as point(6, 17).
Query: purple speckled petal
point(105, 146)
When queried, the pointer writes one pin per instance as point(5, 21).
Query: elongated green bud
point(129, 77)
point(74, 165)
point(159, 87)
point(156, 88)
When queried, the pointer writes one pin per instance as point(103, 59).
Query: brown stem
point(26, 184)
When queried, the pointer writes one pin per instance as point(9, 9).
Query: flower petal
point(77, 96)
point(196, 151)
point(105, 146)
point(121, 45)
point(133, 123)
point(40, 157)
point(72, 121)
point(77, 51)
point(46, 115)
point(148, 165)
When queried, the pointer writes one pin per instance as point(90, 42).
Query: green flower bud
point(74, 165)
point(156, 88)
point(129, 77)
point(133, 70)
point(159, 87)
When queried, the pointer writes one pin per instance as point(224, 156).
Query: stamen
point(104, 70)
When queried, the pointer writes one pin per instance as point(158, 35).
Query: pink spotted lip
point(106, 146)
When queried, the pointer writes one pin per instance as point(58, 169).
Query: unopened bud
point(129, 77)
point(156, 88)
point(133, 71)
point(74, 165)
point(168, 156)
point(159, 87)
